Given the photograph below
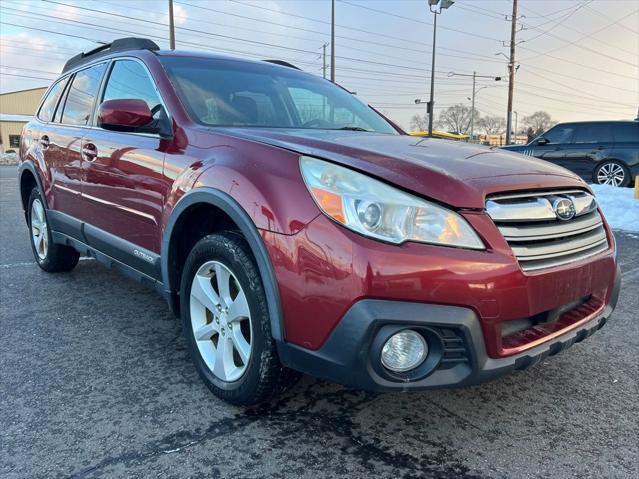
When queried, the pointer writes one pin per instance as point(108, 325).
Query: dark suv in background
point(601, 152)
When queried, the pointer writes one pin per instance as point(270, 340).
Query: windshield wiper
point(351, 128)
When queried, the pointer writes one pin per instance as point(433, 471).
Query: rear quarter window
point(47, 110)
point(81, 97)
point(626, 132)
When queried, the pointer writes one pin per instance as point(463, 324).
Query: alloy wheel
point(39, 229)
point(221, 321)
point(611, 174)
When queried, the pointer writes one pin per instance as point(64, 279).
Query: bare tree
point(493, 125)
point(456, 118)
point(419, 123)
point(538, 122)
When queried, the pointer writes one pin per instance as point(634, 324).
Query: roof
point(16, 118)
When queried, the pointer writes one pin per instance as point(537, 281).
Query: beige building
point(16, 108)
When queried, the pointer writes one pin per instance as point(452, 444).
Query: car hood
point(455, 173)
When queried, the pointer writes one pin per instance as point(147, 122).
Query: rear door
point(46, 146)
point(65, 133)
point(591, 143)
point(124, 188)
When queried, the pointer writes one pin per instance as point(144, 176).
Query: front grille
point(538, 237)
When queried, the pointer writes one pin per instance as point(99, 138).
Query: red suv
point(291, 226)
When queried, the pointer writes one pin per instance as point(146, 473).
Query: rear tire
point(223, 303)
point(612, 172)
point(51, 257)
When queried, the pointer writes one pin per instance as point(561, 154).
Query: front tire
point(51, 257)
point(611, 172)
point(226, 321)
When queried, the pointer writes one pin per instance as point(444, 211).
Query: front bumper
point(458, 357)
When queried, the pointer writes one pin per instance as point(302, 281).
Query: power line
point(587, 36)
point(476, 35)
point(529, 49)
point(52, 32)
point(25, 76)
point(601, 14)
point(368, 32)
point(305, 51)
point(409, 67)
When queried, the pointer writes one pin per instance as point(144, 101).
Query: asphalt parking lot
point(95, 382)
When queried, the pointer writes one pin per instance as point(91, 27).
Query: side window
point(560, 134)
point(130, 81)
point(81, 96)
point(593, 133)
point(626, 132)
point(47, 110)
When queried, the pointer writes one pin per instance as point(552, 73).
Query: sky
point(577, 60)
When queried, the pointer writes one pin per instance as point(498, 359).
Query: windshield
point(234, 93)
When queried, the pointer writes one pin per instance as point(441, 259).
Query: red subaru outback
point(291, 226)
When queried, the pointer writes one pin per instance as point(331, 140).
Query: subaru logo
point(564, 209)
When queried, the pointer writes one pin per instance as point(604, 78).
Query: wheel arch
point(28, 177)
point(231, 214)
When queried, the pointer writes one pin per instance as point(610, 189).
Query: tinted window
point(50, 102)
point(129, 80)
point(560, 134)
point(232, 93)
point(81, 96)
point(626, 132)
point(593, 133)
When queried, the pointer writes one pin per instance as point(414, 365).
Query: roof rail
point(283, 63)
point(119, 45)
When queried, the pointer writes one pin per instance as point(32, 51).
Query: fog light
point(404, 351)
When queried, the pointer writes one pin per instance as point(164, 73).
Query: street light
point(432, 5)
point(472, 110)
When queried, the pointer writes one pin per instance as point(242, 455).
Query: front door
point(551, 145)
point(124, 189)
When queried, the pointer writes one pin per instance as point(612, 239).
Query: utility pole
point(333, 41)
point(472, 110)
point(324, 60)
point(171, 26)
point(511, 73)
point(431, 103)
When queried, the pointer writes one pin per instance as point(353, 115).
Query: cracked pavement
point(95, 381)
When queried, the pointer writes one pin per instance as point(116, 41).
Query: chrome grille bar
point(538, 238)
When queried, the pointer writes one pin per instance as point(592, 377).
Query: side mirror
point(132, 115)
point(124, 115)
point(542, 141)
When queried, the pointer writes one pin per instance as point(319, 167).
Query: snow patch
point(8, 159)
point(619, 206)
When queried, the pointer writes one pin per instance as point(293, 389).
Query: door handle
point(89, 152)
point(44, 142)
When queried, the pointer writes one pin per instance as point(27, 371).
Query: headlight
point(380, 211)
